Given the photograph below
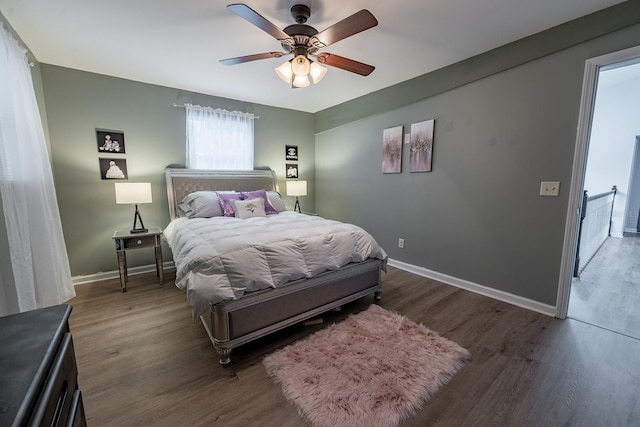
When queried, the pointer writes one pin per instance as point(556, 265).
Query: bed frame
point(233, 323)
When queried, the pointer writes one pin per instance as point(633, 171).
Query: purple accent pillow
point(225, 202)
point(262, 194)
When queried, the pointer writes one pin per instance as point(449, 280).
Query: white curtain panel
point(219, 139)
point(31, 232)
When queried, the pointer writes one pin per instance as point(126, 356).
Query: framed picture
point(421, 147)
point(291, 152)
point(292, 170)
point(113, 168)
point(392, 150)
point(110, 141)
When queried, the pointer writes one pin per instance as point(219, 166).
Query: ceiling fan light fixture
point(302, 40)
point(317, 72)
point(285, 72)
point(300, 65)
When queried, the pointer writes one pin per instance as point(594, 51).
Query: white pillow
point(248, 208)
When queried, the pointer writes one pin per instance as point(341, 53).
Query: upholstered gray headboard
point(181, 182)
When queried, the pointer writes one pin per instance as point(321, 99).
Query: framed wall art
point(292, 170)
point(421, 147)
point(113, 168)
point(392, 150)
point(291, 152)
point(110, 141)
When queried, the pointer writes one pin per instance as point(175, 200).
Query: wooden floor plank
point(607, 293)
point(142, 361)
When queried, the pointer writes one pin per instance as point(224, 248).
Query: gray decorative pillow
point(276, 201)
point(202, 204)
point(184, 210)
point(248, 208)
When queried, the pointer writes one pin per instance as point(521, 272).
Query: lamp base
point(296, 207)
point(136, 228)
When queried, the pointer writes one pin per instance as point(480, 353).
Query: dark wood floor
point(143, 362)
point(607, 294)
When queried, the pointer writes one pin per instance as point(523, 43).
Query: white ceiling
point(177, 43)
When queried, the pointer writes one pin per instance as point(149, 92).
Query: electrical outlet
point(401, 243)
point(550, 188)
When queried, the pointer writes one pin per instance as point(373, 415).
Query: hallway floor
point(607, 294)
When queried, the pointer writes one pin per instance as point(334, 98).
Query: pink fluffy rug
point(375, 368)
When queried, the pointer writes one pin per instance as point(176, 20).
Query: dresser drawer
point(142, 241)
point(77, 417)
point(55, 402)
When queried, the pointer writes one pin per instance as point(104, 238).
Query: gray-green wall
point(78, 102)
point(478, 215)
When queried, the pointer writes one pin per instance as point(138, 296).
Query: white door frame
point(589, 84)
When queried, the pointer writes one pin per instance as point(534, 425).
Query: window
point(219, 139)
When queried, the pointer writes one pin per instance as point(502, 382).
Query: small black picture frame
point(291, 170)
point(291, 152)
point(110, 141)
point(113, 168)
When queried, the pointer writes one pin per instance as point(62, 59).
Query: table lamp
point(297, 188)
point(134, 193)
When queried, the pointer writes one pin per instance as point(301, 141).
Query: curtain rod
point(200, 107)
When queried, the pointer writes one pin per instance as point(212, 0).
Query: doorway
point(587, 139)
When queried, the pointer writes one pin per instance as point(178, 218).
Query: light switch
point(550, 188)
point(407, 138)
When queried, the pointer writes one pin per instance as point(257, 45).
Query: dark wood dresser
point(38, 372)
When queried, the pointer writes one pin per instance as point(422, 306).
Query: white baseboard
point(476, 288)
point(106, 275)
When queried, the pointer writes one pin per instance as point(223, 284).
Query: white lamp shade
point(300, 81)
point(284, 72)
point(317, 72)
point(300, 65)
point(133, 193)
point(296, 188)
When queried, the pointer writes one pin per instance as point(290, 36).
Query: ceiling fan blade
point(249, 58)
point(245, 12)
point(345, 63)
point(358, 22)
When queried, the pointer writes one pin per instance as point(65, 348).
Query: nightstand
point(126, 240)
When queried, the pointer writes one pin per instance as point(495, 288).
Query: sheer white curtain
point(219, 139)
point(39, 273)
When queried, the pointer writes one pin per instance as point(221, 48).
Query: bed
point(253, 298)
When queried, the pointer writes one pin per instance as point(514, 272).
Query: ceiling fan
point(304, 41)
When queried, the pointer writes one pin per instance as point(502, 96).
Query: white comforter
point(223, 258)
